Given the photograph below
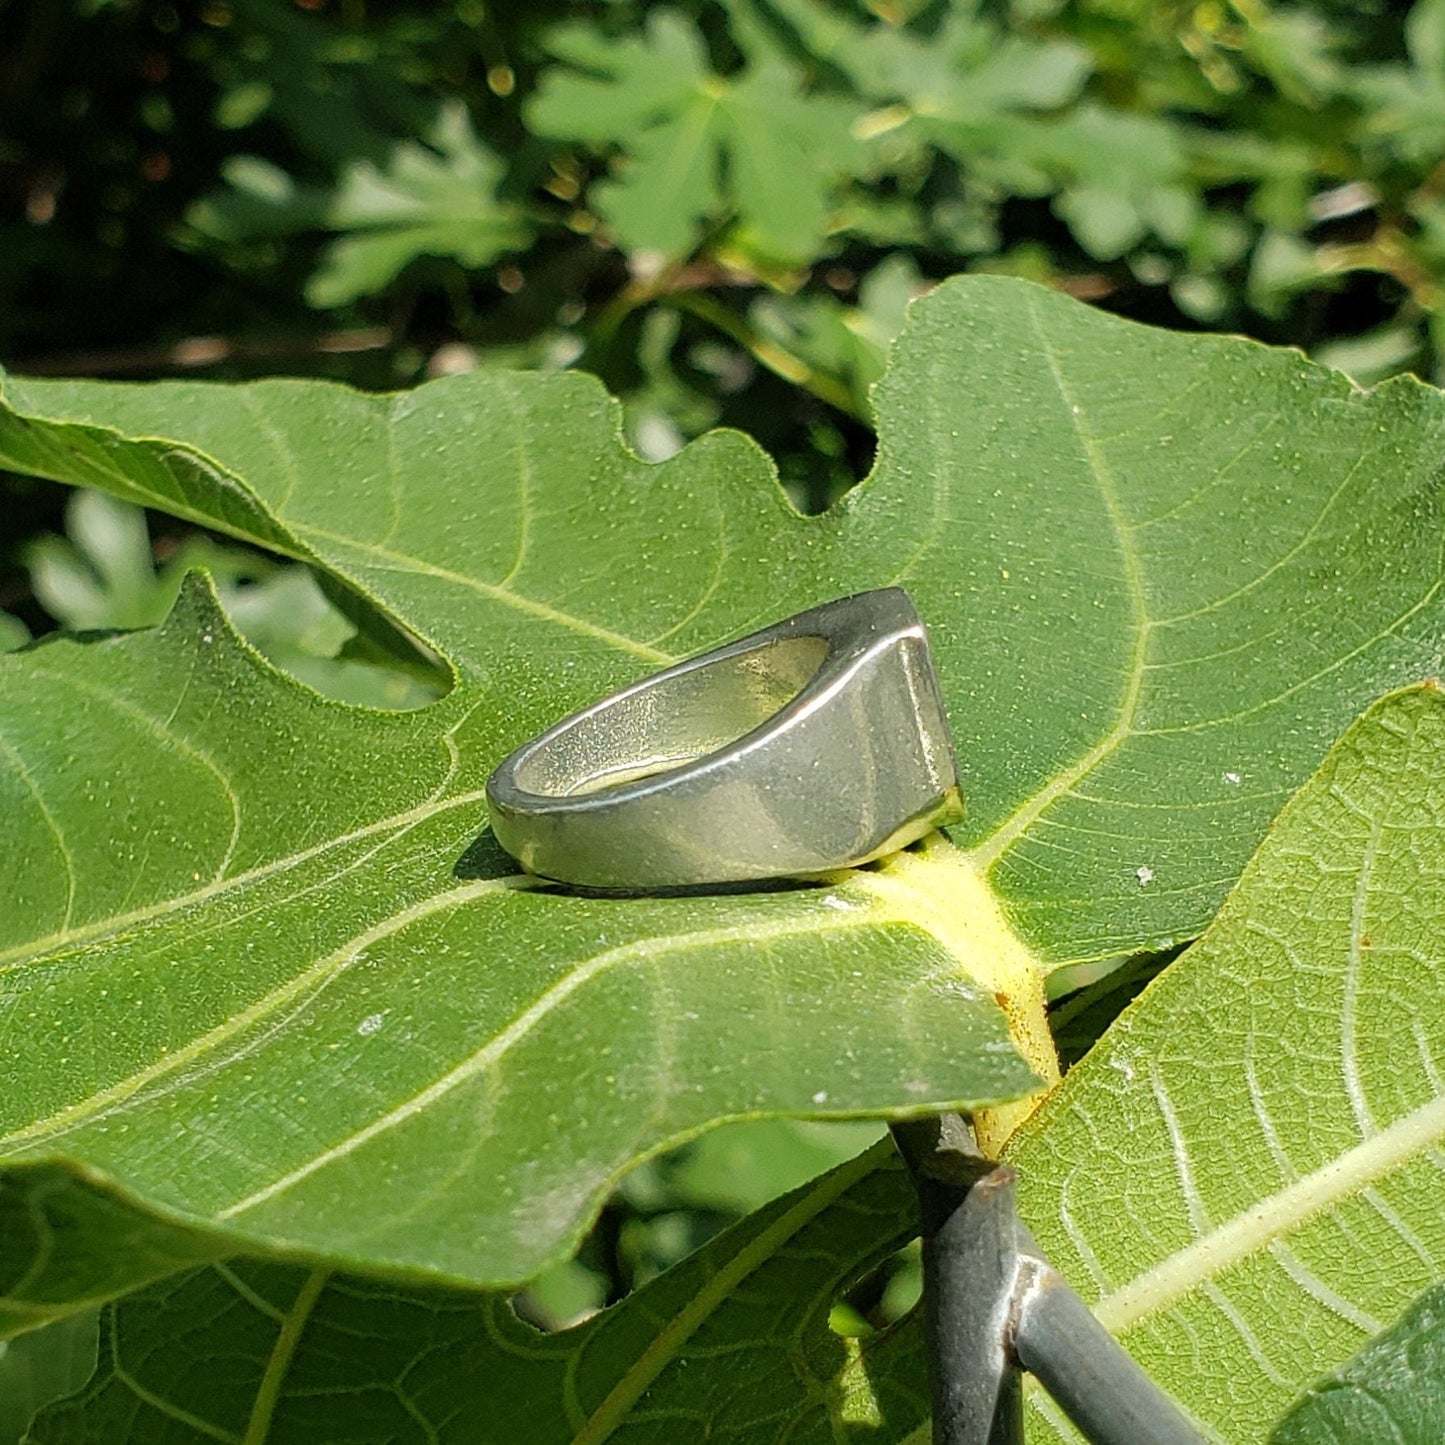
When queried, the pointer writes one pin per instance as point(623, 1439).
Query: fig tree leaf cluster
point(299, 1051)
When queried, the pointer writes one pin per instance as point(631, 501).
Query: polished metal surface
point(817, 743)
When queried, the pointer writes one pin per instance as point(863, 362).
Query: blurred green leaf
point(963, 87)
point(437, 199)
point(847, 342)
point(434, 200)
point(964, 72)
point(1123, 176)
point(102, 577)
point(741, 1167)
point(340, 93)
point(698, 146)
point(1296, 49)
point(1372, 357)
point(1405, 101)
point(45, 1365)
point(261, 200)
point(13, 632)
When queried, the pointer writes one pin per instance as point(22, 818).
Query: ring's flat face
point(815, 744)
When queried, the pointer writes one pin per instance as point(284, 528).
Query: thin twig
point(769, 353)
point(201, 351)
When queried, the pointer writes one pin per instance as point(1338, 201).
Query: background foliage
point(720, 208)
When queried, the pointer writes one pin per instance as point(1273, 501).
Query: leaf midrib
point(1274, 1216)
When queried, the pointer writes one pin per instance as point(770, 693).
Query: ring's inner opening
point(673, 721)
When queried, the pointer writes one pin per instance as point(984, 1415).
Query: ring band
point(815, 744)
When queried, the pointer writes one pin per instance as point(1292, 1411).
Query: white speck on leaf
point(821, 1097)
point(957, 988)
point(369, 1024)
point(1124, 1067)
point(833, 901)
point(1232, 778)
point(1145, 875)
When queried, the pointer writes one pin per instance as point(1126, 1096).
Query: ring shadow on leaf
point(485, 858)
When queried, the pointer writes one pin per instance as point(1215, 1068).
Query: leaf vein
point(393, 561)
point(168, 739)
point(1205, 724)
point(1310, 534)
point(158, 1403)
point(987, 852)
point(261, 416)
point(1349, 1043)
point(1183, 1166)
point(614, 1410)
point(524, 484)
point(24, 954)
point(268, 1394)
point(22, 769)
point(1274, 1215)
point(1320, 1292)
point(306, 984)
point(500, 1044)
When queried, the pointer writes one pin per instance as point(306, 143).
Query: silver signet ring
point(818, 743)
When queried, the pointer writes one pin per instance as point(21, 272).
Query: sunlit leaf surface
point(264, 969)
point(1245, 1175)
point(1243, 1205)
